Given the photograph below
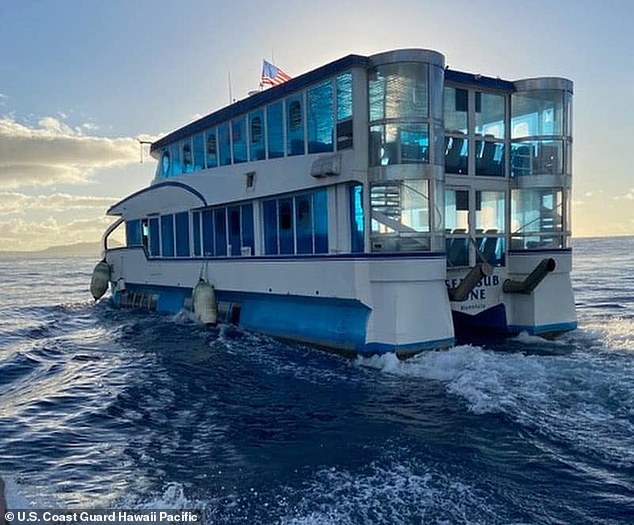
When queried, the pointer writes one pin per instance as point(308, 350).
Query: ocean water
point(106, 408)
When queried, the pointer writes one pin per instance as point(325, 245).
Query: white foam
point(13, 496)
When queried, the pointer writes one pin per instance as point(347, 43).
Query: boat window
point(456, 109)
point(220, 232)
point(256, 135)
point(133, 233)
point(537, 157)
point(490, 226)
point(537, 113)
point(154, 237)
point(224, 145)
point(275, 130)
point(399, 144)
point(165, 163)
point(294, 125)
point(269, 216)
point(188, 164)
point(399, 91)
point(182, 234)
point(196, 230)
point(208, 233)
point(234, 230)
point(344, 96)
point(238, 134)
point(456, 155)
point(285, 208)
point(177, 168)
point(357, 227)
point(489, 158)
point(457, 227)
point(212, 149)
point(320, 118)
point(320, 206)
point(248, 246)
point(537, 218)
point(199, 152)
point(304, 223)
point(489, 116)
point(167, 235)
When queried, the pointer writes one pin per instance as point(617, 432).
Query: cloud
point(14, 202)
point(629, 196)
point(52, 152)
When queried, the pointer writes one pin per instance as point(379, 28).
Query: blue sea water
point(107, 408)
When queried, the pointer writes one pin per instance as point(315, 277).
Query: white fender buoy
point(100, 279)
point(204, 301)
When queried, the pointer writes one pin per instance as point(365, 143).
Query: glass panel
point(234, 230)
point(304, 223)
point(196, 232)
point(457, 211)
point(199, 152)
point(295, 125)
point(247, 229)
point(356, 219)
point(269, 212)
point(320, 207)
point(414, 143)
point(212, 149)
point(489, 158)
point(155, 246)
point(344, 135)
point(490, 211)
point(286, 229)
point(165, 164)
point(456, 109)
point(415, 205)
point(224, 144)
point(537, 157)
point(238, 134)
point(398, 91)
point(320, 119)
point(177, 168)
point(182, 234)
point(385, 200)
point(456, 155)
point(167, 235)
point(188, 160)
point(344, 96)
point(208, 233)
point(393, 144)
point(256, 135)
point(275, 130)
point(537, 113)
point(220, 232)
point(133, 233)
point(536, 218)
point(436, 82)
point(490, 115)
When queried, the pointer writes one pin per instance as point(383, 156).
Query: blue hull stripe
point(544, 328)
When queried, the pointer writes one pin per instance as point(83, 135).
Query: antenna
point(141, 144)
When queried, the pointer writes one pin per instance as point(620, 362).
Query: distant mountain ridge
point(68, 250)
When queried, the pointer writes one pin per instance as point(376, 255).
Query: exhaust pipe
point(532, 281)
point(471, 280)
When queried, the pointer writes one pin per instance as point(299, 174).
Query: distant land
point(69, 250)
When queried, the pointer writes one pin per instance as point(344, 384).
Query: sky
point(81, 81)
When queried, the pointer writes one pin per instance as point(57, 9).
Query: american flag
point(272, 75)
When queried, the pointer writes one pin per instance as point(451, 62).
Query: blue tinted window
point(320, 119)
point(220, 228)
point(320, 206)
point(224, 144)
point(182, 234)
point(167, 235)
point(188, 158)
point(356, 219)
point(166, 164)
point(247, 227)
point(295, 125)
point(287, 244)
point(269, 211)
point(275, 130)
point(196, 232)
point(133, 233)
point(414, 143)
point(304, 223)
point(238, 132)
point(256, 135)
point(177, 168)
point(208, 233)
point(199, 152)
point(212, 149)
point(234, 230)
point(344, 96)
point(155, 245)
